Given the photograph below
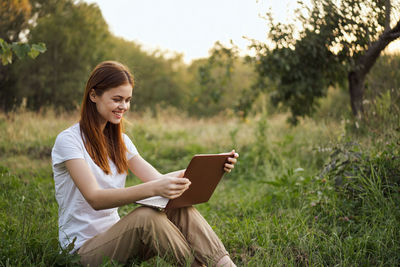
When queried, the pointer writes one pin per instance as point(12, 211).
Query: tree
point(339, 40)
point(215, 79)
point(219, 82)
point(77, 38)
point(159, 80)
point(16, 18)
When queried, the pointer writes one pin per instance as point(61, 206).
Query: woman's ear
point(92, 95)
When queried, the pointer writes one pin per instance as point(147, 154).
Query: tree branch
point(366, 61)
point(395, 28)
point(387, 15)
point(394, 35)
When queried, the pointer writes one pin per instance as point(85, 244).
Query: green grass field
point(312, 195)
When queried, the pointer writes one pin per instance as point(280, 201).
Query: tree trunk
point(364, 64)
point(356, 89)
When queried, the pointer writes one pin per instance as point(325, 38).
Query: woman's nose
point(123, 105)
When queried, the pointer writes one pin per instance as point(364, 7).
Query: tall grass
point(310, 195)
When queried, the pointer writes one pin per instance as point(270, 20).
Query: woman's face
point(113, 103)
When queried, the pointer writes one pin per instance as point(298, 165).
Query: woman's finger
point(180, 180)
point(178, 187)
point(229, 166)
point(227, 170)
point(232, 160)
point(173, 195)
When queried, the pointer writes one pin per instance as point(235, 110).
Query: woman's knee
point(147, 212)
point(145, 216)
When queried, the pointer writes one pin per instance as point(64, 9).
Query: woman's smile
point(118, 114)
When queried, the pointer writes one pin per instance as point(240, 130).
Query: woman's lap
point(145, 232)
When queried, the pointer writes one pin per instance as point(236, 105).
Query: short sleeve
point(66, 147)
point(132, 151)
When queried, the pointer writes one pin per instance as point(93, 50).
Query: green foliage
point(76, 37)
point(21, 50)
point(159, 81)
point(355, 174)
point(220, 57)
point(363, 190)
point(382, 98)
point(219, 82)
point(335, 106)
point(15, 17)
point(385, 76)
point(305, 62)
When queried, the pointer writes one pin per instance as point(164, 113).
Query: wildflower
point(345, 218)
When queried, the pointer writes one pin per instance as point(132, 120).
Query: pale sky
point(191, 27)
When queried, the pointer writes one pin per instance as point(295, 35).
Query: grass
point(310, 195)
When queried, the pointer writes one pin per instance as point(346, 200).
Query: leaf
point(6, 57)
point(5, 52)
point(4, 46)
point(41, 47)
point(36, 49)
point(20, 50)
point(33, 53)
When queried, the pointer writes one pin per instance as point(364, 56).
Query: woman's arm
point(146, 172)
point(98, 198)
point(142, 169)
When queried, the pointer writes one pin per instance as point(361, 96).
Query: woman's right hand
point(170, 187)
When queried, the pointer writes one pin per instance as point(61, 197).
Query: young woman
point(90, 162)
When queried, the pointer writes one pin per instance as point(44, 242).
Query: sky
point(191, 27)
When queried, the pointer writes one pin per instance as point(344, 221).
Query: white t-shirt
point(76, 218)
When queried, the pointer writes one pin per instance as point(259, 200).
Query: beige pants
point(180, 236)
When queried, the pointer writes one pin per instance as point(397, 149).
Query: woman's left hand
point(231, 161)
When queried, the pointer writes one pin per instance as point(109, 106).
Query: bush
point(356, 203)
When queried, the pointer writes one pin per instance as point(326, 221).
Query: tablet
point(205, 172)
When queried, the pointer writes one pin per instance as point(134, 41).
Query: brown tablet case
point(204, 171)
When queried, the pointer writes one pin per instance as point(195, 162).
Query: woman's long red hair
point(106, 144)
